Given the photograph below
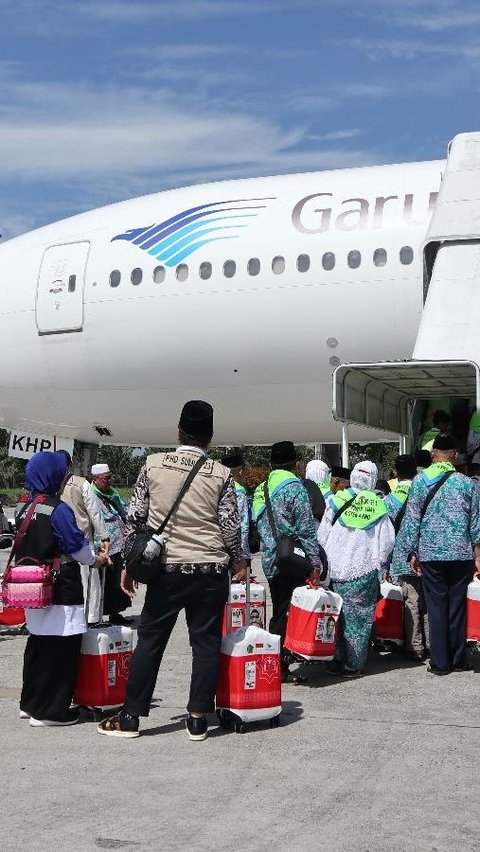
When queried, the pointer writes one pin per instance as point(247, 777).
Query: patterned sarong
point(356, 619)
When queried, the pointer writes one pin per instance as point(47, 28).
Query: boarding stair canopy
point(381, 395)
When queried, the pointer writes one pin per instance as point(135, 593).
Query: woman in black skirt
point(53, 647)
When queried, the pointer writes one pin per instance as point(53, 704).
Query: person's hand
point(477, 566)
point(315, 576)
point(415, 566)
point(101, 560)
point(240, 571)
point(128, 585)
point(386, 578)
point(105, 546)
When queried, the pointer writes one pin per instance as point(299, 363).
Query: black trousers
point(115, 599)
point(281, 590)
point(445, 589)
point(203, 597)
point(50, 666)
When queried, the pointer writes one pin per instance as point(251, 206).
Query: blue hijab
point(45, 472)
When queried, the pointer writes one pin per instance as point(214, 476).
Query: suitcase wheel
point(224, 720)
point(240, 727)
point(274, 723)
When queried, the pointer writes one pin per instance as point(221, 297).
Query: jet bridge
point(384, 395)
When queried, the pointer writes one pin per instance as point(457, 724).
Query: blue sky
point(102, 100)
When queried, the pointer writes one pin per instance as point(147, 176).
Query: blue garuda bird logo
point(173, 240)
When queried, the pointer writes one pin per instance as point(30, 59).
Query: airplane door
point(59, 305)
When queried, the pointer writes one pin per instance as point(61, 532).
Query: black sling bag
point(289, 563)
point(138, 567)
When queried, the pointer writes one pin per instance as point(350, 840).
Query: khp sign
point(25, 446)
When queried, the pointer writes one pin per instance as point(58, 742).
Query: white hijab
point(364, 476)
point(318, 472)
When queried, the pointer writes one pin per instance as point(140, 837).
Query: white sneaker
point(24, 715)
point(73, 718)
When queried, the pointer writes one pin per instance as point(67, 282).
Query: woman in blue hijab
point(53, 647)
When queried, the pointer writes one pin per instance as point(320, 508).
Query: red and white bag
point(236, 607)
point(249, 684)
point(104, 665)
point(312, 626)
point(473, 611)
point(105, 657)
point(388, 617)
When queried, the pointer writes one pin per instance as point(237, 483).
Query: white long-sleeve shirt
point(351, 552)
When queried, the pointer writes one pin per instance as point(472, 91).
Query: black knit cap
point(443, 441)
point(234, 458)
point(283, 453)
point(196, 419)
point(340, 472)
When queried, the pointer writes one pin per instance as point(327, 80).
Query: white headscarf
point(364, 476)
point(318, 472)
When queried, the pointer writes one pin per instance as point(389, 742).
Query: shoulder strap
point(26, 521)
point(433, 491)
point(181, 494)
point(399, 517)
point(342, 509)
point(268, 506)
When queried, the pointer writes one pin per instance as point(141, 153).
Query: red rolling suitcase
point(104, 663)
point(388, 617)
point(473, 611)
point(249, 684)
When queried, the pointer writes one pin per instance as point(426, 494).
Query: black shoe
point(120, 620)
point(466, 667)
point(197, 727)
point(438, 672)
point(121, 725)
point(414, 656)
point(334, 667)
point(297, 680)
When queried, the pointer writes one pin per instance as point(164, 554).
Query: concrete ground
point(389, 762)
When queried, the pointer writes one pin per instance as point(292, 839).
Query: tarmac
point(388, 762)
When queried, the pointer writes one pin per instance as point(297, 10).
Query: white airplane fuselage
point(260, 345)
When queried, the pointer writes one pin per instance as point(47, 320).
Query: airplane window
point(278, 265)
point(115, 277)
point(354, 259)
point(328, 261)
point(253, 266)
point(159, 274)
point(182, 272)
point(205, 270)
point(72, 283)
point(136, 276)
point(229, 268)
point(406, 255)
point(379, 257)
point(303, 263)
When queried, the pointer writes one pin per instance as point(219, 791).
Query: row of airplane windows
point(354, 260)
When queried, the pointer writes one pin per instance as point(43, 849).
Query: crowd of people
point(348, 533)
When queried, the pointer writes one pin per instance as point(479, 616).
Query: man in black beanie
point(293, 517)
point(439, 539)
point(202, 544)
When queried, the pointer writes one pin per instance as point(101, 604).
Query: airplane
point(246, 293)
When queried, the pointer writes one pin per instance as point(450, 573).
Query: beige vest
point(72, 496)
point(193, 531)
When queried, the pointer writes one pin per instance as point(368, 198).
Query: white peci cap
point(98, 469)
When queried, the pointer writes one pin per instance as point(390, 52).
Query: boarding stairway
point(446, 355)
